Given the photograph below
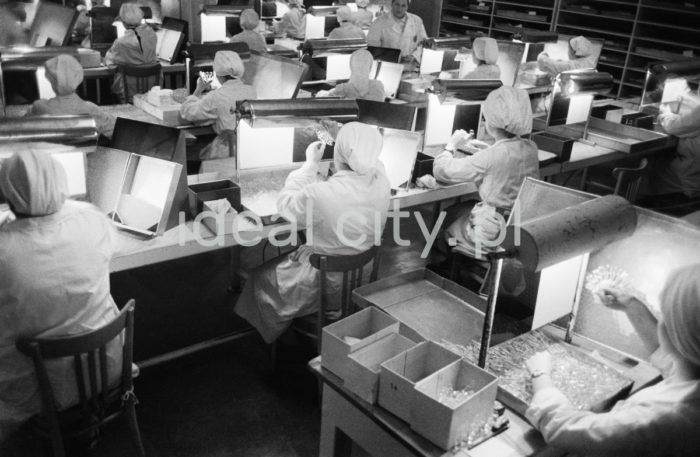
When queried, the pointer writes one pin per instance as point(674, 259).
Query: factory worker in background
point(359, 86)
point(249, 21)
point(12, 16)
point(136, 47)
point(65, 74)
point(661, 420)
point(347, 29)
point(497, 170)
point(216, 105)
point(679, 172)
point(580, 57)
point(54, 281)
point(293, 23)
point(485, 56)
point(353, 200)
point(362, 18)
point(398, 30)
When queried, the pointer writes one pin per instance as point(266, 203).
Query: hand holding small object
point(314, 152)
point(539, 364)
point(458, 137)
point(202, 85)
point(615, 299)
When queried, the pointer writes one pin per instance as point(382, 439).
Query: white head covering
point(299, 3)
point(362, 3)
point(131, 14)
point(509, 109)
point(344, 14)
point(680, 311)
point(64, 73)
point(486, 49)
point(249, 19)
point(227, 63)
point(360, 66)
point(357, 147)
point(33, 183)
point(581, 46)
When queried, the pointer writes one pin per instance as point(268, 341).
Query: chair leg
point(134, 427)
point(273, 356)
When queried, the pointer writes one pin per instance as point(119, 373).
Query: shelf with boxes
point(464, 16)
point(522, 16)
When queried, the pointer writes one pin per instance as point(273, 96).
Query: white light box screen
point(399, 151)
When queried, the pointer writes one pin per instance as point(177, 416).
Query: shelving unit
point(636, 32)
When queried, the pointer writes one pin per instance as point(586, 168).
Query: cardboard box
point(446, 425)
point(201, 193)
point(413, 90)
point(170, 114)
point(423, 166)
point(365, 327)
point(557, 144)
point(400, 374)
point(362, 377)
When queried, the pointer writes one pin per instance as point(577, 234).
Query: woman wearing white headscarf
point(498, 170)
point(65, 74)
point(347, 214)
point(580, 57)
point(362, 18)
point(485, 56)
point(217, 104)
point(249, 22)
point(136, 47)
point(359, 86)
point(347, 28)
point(293, 23)
point(661, 420)
point(54, 280)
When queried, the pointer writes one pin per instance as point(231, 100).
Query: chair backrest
point(628, 180)
point(138, 79)
point(93, 389)
point(352, 268)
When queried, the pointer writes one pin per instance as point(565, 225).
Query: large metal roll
point(678, 68)
point(70, 129)
point(448, 43)
point(302, 108)
point(582, 228)
point(316, 46)
point(586, 81)
point(466, 89)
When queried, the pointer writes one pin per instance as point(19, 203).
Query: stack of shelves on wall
point(496, 18)
point(636, 32)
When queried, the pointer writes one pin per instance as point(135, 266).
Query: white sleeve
point(294, 200)
point(450, 170)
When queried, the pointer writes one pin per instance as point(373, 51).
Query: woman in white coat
point(54, 281)
point(498, 170)
point(661, 420)
point(348, 214)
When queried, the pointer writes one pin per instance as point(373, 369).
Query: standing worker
point(216, 105)
point(347, 28)
point(398, 30)
point(136, 47)
point(485, 56)
point(580, 57)
point(249, 22)
point(65, 74)
point(661, 420)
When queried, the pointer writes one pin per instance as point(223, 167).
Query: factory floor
point(227, 401)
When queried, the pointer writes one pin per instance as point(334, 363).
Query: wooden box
point(214, 190)
point(446, 425)
point(400, 374)
point(365, 327)
point(625, 137)
point(362, 377)
point(559, 145)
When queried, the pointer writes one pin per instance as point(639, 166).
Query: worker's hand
point(314, 152)
point(458, 138)
point(539, 363)
point(202, 85)
point(616, 299)
point(332, 127)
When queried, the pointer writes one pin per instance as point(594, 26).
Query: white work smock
point(217, 105)
point(498, 171)
point(293, 23)
point(661, 420)
point(73, 104)
point(54, 281)
point(681, 172)
point(253, 39)
point(553, 66)
point(362, 17)
point(375, 91)
point(132, 50)
point(287, 287)
point(407, 35)
point(346, 31)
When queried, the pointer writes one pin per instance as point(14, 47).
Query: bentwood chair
point(99, 403)
point(139, 79)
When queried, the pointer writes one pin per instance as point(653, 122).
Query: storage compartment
point(453, 403)
point(400, 374)
point(627, 138)
point(362, 377)
point(352, 333)
point(423, 166)
point(214, 190)
point(559, 145)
